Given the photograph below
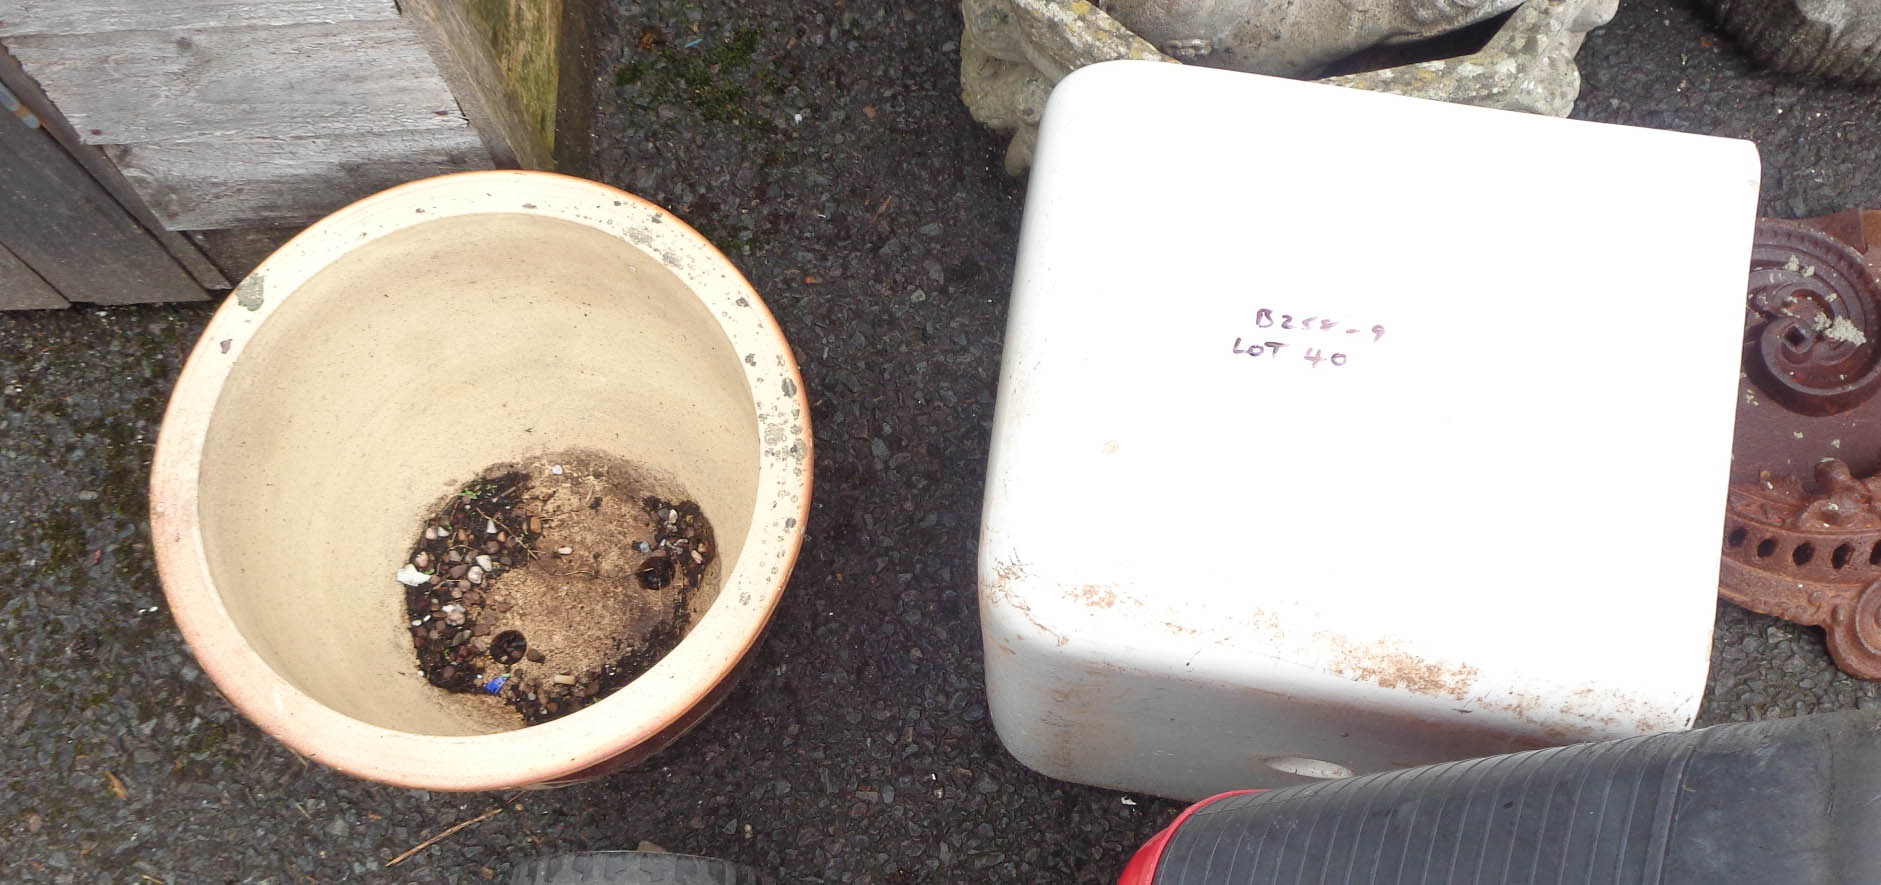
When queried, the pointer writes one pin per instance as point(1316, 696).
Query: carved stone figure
point(1013, 51)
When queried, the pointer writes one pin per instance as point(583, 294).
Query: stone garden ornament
point(1012, 52)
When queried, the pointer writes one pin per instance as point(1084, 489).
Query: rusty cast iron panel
point(1802, 534)
point(1810, 557)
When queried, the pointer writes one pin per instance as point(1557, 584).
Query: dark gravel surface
point(831, 157)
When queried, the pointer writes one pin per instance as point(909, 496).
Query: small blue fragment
point(496, 684)
point(691, 43)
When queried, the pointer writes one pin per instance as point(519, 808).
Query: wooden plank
point(21, 289)
point(199, 185)
point(21, 17)
point(526, 37)
point(240, 250)
point(78, 239)
point(93, 160)
point(127, 87)
point(470, 65)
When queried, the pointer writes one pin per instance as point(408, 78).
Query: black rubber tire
point(1786, 801)
point(633, 868)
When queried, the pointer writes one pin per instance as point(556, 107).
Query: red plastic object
point(1142, 868)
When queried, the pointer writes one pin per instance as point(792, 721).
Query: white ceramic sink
point(1341, 432)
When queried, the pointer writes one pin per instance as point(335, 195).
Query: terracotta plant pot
point(400, 346)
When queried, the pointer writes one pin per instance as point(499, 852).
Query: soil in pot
point(547, 584)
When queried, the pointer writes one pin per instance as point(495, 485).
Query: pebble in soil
point(550, 584)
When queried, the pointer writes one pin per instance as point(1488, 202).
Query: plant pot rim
point(612, 727)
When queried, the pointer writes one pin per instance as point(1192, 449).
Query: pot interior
point(406, 366)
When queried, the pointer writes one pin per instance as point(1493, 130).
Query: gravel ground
point(831, 157)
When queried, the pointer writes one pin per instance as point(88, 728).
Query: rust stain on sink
point(1096, 595)
point(998, 589)
point(1100, 596)
point(1385, 663)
